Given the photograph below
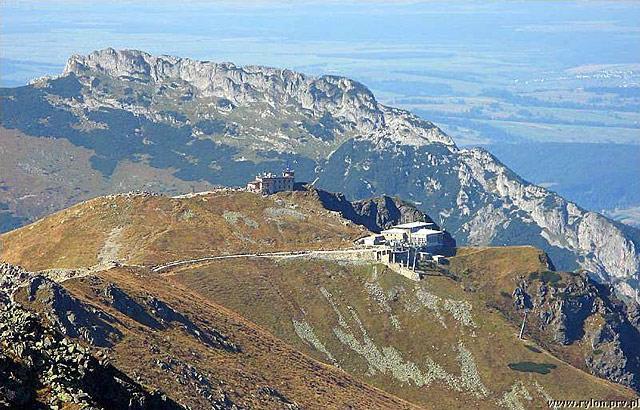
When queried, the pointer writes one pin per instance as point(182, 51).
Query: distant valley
point(601, 177)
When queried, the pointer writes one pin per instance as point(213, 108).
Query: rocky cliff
point(218, 123)
point(573, 310)
point(41, 367)
point(569, 314)
point(375, 213)
point(345, 100)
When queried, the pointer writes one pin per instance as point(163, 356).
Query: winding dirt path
point(293, 254)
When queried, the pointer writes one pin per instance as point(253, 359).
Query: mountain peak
point(181, 124)
point(342, 98)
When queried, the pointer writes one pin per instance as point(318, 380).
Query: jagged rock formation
point(377, 213)
point(34, 357)
point(11, 277)
point(220, 123)
point(569, 309)
point(568, 314)
point(343, 99)
point(73, 317)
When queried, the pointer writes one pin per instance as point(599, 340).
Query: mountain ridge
point(339, 96)
point(218, 124)
point(252, 330)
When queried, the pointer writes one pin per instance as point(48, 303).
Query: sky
point(439, 59)
point(349, 38)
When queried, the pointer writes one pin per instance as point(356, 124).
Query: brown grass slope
point(495, 272)
point(148, 230)
point(265, 372)
point(431, 343)
point(438, 343)
point(577, 310)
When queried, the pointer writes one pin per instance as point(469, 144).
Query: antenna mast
point(523, 321)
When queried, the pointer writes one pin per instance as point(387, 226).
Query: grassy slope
point(496, 268)
point(277, 294)
point(264, 360)
point(419, 341)
point(39, 176)
point(159, 229)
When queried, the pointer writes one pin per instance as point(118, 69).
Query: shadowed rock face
point(383, 212)
point(616, 353)
point(34, 357)
point(73, 317)
point(168, 316)
point(375, 214)
point(566, 315)
point(379, 213)
point(203, 121)
point(156, 314)
point(125, 304)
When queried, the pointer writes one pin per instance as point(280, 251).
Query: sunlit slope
point(582, 322)
point(146, 229)
point(427, 342)
point(447, 341)
point(199, 353)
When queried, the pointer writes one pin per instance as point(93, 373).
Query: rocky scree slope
point(40, 367)
point(219, 123)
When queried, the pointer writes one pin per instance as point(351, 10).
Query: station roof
point(412, 225)
point(426, 232)
point(393, 230)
